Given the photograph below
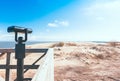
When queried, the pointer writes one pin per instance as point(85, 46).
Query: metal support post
point(20, 55)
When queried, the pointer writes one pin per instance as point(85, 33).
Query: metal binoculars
point(18, 29)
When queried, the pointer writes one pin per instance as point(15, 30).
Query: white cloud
point(107, 11)
point(103, 18)
point(107, 8)
point(52, 25)
point(64, 23)
point(58, 23)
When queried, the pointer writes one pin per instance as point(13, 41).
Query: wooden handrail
point(27, 50)
point(45, 72)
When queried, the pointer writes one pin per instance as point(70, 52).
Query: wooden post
point(7, 75)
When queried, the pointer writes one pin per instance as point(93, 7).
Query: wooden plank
point(14, 66)
point(27, 50)
point(6, 50)
point(7, 69)
point(46, 71)
point(36, 50)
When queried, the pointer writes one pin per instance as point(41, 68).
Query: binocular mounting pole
point(20, 55)
point(19, 49)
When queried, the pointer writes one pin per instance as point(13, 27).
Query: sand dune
point(85, 61)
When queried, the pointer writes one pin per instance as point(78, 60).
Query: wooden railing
point(45, 70)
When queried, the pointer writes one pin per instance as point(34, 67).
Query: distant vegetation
point(113, 43)
point(61, 44)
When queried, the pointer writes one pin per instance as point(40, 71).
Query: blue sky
point(62, 20)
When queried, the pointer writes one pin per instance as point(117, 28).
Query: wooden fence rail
point(45, 70)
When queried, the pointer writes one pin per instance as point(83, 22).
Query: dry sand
point(75, 61)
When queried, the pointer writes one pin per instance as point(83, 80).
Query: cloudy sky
point(62, 20)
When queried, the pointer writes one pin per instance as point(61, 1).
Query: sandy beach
point(78, 61)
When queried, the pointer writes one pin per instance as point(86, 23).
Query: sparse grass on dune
point(114, 44)
point(71, 44)
point(61, 44)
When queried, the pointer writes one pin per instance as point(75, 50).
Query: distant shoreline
point(11, 44)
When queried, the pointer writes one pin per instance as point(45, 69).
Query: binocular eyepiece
point(18, 29)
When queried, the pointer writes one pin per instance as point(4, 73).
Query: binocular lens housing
point(18, 29)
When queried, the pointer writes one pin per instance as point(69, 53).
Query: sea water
point(6, 44)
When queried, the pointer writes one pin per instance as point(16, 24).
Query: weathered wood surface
point(27, 50)
point(15, 66)
point(1, 79)
point(45, 72)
